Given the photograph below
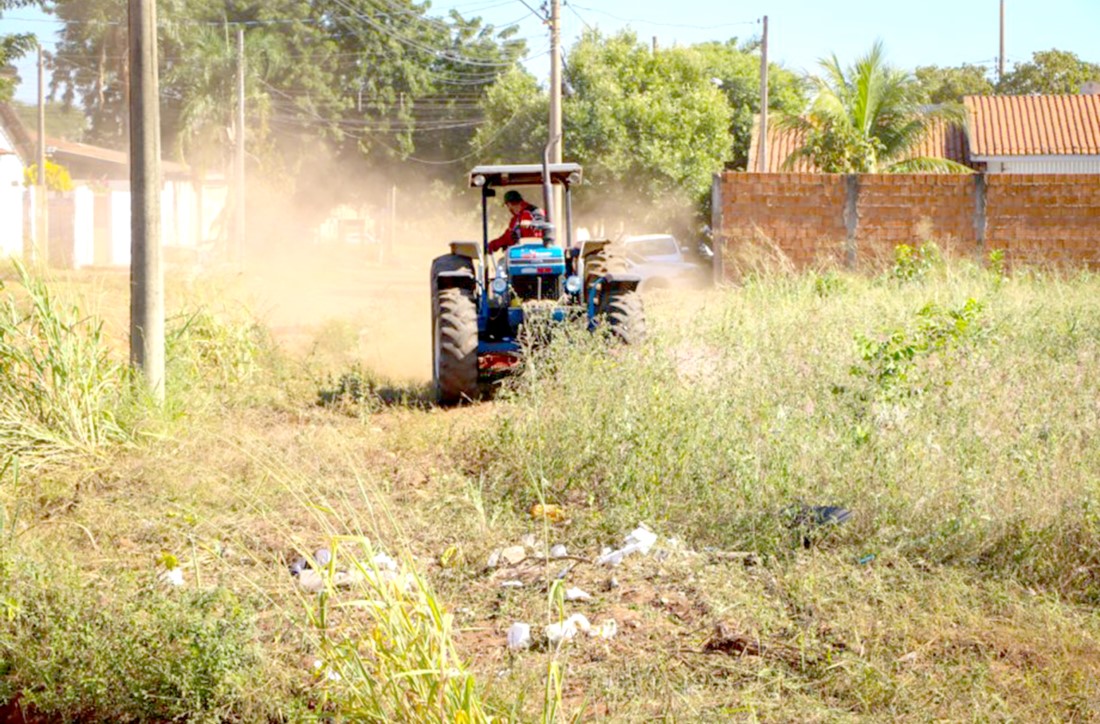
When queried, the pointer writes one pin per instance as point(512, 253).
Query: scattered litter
point(494, 559)
point(606, 630)
point(807, 517)
point(568, 629)
point(511, 584)
point(820, 515)
point(547, 511)
point(576, 594)
point(322, 556)
point(529, 540)
point(173, 576)
point(513, 555)
point(384, 563)
point(640, 540)
point(321, 669)
point(519, 636)
point(311, 580)
point(298, 565)
point(558, 551)
point(864, 560)
point(612, 583)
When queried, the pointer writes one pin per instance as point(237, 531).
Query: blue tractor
point(483, 307)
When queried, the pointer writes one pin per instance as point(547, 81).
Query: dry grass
point(962, 588)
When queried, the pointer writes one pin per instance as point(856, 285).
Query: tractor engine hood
point(529, 259)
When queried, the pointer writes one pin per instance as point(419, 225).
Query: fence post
point(851, 218)
point(979, 213)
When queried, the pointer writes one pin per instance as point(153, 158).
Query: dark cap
point(512, 197)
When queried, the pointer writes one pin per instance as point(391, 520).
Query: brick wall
point(859, 219)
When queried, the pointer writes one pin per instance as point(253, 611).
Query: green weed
point(60, 389)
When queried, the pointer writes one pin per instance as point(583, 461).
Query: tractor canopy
point(564, 174)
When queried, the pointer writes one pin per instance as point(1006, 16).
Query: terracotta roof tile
point(943, 141)
point(1034, 125)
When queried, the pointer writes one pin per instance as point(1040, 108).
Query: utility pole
point(1001, 57)
point(762, 163)
point(238, 171)
point(146, 275)
point(40, 250)
point(556, 140)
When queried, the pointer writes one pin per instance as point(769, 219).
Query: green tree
point(1049, 72)
point(949, 85)
point(735, 70)
point(362, 79)
point(649, 127)
point(12, 47)
point(868, 118)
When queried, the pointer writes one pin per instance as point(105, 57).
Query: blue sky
point(928, 32)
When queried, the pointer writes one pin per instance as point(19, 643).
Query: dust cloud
point(338, 271)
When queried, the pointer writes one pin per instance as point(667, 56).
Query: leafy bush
point(120, 650)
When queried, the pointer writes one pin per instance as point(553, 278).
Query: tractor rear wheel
point(626, 316)
point(599, 263)
point(454, 346)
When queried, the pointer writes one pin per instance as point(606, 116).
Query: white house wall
point(1048, 164)
point(11, 199)
point(83, 227)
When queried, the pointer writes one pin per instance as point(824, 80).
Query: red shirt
point(515, 232)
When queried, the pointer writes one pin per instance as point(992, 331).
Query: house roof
point(60, 148)
point(1053, 125)
point(942, 141)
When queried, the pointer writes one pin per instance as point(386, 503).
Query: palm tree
point(869, 119)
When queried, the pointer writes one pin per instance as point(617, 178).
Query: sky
point(926, 32)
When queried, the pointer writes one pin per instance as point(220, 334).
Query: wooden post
point(762, 164)
point(41, 249)
point(239, 179)
point(146, 275)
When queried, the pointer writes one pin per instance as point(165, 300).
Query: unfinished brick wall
point(857, 220)
point(800, 212)
point(903, 209)
point(1044, 218)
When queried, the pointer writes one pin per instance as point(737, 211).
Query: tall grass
point(60, 389)
point(954, 412)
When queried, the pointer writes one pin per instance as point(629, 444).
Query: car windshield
point(654, 246)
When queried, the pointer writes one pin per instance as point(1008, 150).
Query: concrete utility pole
point(1001, 57)
point(556, 140)
point(146, 275)
point(762, 164)
point(40, 250)
point(238, 171)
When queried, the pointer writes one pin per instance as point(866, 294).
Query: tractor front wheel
point(454, 346)
point(626, 316)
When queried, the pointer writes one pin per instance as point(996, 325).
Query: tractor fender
point(452, 271)
point(461, 279)
point(611, 283)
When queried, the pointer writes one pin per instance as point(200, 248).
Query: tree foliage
point(1049, 72)
point(735, 69)
point(649, 126)
point(12, 48)
point(369, 79)
point(949, 85)
point(868, 118)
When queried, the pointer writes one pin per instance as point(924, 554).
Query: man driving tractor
point(520, 226)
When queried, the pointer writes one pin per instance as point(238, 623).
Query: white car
point(662, 263)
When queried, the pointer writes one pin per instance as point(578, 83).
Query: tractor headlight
point(479, 180)
point(573, 284)
point(499, 285)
